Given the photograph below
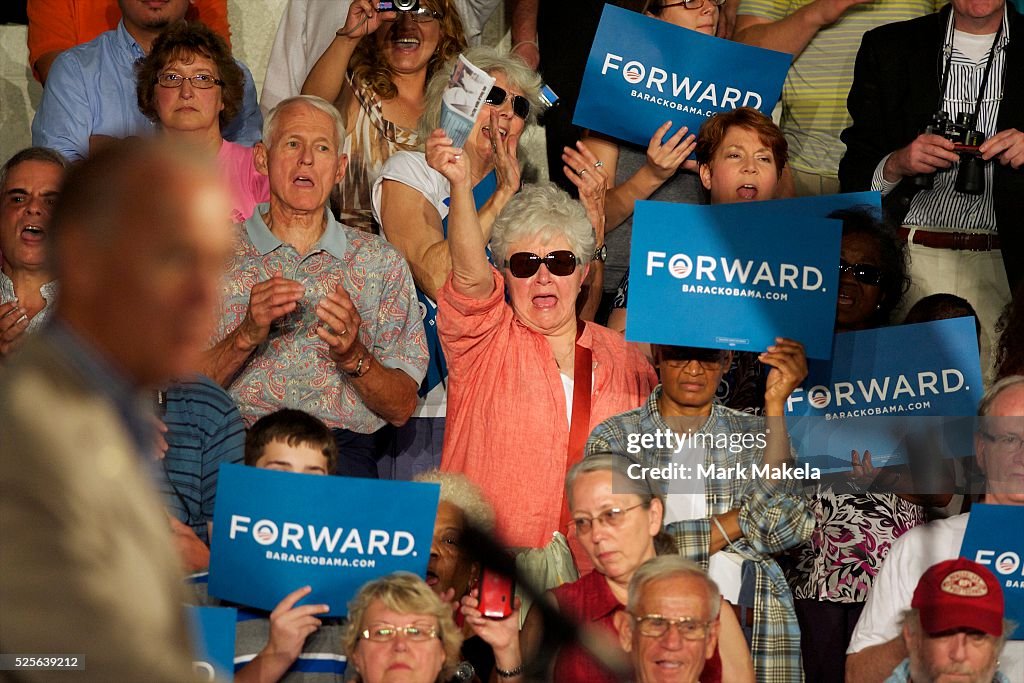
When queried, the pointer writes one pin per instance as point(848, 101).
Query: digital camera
point(970, 176)
point(398, 5)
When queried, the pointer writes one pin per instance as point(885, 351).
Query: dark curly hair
point(895, 280)
point(184, 41)
point(1010, 349)
point(369, 65)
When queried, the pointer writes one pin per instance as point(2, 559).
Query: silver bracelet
point(511, 673)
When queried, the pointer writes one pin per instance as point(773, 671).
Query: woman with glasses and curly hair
point(192, 88)
point(375, 72)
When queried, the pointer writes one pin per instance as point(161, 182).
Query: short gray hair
point(31, 154)
point(270, 123)
point(458, 490)
point(545, 211)
point(668, 566)
point(993, 392)
point(516, 72)
point(618, 465)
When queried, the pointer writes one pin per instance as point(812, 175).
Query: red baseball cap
point(959, 594)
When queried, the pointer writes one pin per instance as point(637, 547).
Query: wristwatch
point(601, 254)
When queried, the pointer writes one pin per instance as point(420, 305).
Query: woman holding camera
point(375, 71)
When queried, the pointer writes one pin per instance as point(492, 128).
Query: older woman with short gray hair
point(521, 361)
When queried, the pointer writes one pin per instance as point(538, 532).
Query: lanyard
point(948, 52)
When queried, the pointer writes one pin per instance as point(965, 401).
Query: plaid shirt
point(773, 516)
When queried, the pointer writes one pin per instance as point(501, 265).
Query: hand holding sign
point(788, 371)
point(289, 628)
point(664, 157)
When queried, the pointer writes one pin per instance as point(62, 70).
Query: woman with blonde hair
point(375, 72)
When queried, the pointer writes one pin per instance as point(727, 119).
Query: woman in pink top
point(192, 87)
point(526, 376)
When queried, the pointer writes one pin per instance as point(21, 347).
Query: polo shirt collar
point(333, 241)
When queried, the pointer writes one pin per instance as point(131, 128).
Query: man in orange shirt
point(56, 25)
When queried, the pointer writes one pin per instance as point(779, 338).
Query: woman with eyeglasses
point(411, 198)
point(661, 172)
point(400, 631)
point(855, 522)
point(375, 72)
point(618, 522)
point(528, 378)
point(192, 88)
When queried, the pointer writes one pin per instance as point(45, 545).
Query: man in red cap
point(954, 629)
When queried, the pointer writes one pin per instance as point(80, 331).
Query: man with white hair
point(954, 627)
point(316, 315)
point(670, 625)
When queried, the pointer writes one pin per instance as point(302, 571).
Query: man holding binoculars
point(938, 108)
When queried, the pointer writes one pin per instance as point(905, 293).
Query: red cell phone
point(496, 592)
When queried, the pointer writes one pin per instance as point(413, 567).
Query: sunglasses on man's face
point(862, 272)
point(520, 105)
point(524, 264)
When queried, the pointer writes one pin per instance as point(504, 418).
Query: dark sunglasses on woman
point(523, 264)
point(862, 272)
point(520, 105)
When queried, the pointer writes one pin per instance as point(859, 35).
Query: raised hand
point(664, 157)
point(291, 625)
point(363, 19)
point(789, 368)
point(506, 163)
point(446, 159)
point(586, 172)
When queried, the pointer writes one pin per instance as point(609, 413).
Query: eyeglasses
point(612, 517)
point(383, 633)
point(201, 81)
point(421, 15)
point(655, 626)
point(862, 272)
point(1005, 443)
point(691, 4)
point(524, 264)
point(520, 105)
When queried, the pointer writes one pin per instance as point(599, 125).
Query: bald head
point(141, 234)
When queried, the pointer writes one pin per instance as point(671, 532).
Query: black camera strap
point(948, 52)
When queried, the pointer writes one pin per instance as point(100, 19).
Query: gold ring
point(582, 172)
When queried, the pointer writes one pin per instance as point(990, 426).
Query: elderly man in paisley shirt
point(316, 315)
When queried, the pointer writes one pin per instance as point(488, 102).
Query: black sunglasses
point(862, 272)
point(524, 264)
point(520, 105)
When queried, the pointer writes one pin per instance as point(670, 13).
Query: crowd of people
point(322, 282)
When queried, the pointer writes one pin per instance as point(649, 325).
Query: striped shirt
point(814, 95)
point(773, 517)
point(204, 430)
point(943, 206)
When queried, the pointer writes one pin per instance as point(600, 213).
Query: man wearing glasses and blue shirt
point(90, 90)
